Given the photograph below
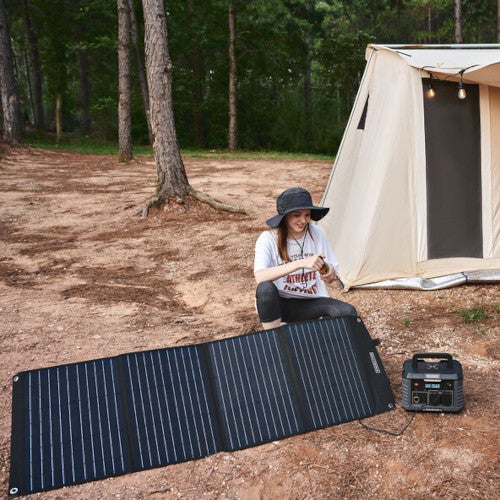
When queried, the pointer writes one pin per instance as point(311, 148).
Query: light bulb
point(430, 91)
point(461, 91)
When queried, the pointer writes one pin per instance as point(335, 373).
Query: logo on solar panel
point(374, 362)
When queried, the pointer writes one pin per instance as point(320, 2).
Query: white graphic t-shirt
point(304, 283)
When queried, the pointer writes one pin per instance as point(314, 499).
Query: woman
point(288, 260)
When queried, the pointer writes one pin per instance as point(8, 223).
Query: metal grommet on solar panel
point(13, 491)
point(16, 378)
point(358, 319)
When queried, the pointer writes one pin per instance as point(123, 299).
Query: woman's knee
point(339, 308)
point(266, 290)
point(267, 301)
point(350, 310)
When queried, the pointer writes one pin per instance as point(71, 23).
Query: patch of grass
point(473, 315)
point(86, 145)
point(482, 330)
point(80, 144)
point(406, 321)
point(253, 155)
point(496, 307)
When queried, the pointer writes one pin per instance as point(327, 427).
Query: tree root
point(152, 202)
point(193, 193)
point(218, 205)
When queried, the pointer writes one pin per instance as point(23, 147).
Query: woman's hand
point(315, 262)
point(330, 276)
point(319, 260)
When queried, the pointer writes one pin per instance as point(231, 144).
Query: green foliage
point(275, 39)
point(473, 315)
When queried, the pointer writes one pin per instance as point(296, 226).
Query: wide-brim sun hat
point(294, 199)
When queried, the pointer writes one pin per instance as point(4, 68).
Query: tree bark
point(197, 92)
point(124, 92)
point(498, 22)
point(11, 109)
point(458, 21)
point(35, 69)
point(83, 67)
point(233, 114)
point(172, 179)
point(429, 24)
point(140, 66)
point(24, 80)
point(59, 127)
point(1, 122)
point(308, 91)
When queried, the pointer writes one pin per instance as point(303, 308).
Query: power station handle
point(434, 355)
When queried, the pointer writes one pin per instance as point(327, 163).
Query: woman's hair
point(283, 237)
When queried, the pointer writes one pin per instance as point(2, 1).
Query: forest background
point(286, 71)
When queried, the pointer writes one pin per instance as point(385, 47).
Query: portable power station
point(432, 385)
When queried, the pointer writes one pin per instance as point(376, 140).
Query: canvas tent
point(414, 192)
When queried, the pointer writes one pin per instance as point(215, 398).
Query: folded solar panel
point(106, 417)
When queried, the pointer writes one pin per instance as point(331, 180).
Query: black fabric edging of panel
point(107, 417)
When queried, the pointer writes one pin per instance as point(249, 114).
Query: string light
point(430, 92)
point(462, 94)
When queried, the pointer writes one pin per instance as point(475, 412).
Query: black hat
point(294, 199)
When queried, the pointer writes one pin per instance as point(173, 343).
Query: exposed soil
point(82, 278)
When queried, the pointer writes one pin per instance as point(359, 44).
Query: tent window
point(362, 120)
point(453, 154)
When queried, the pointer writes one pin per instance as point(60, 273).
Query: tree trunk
point(429, 24)
point(458, 21)
point(124, 93)
point(308, 92)
point(83, 66)
point(140, 66)
point(59, 127)
point(498, 22)
point(24, 80)
point(35, 69)
point(11, 109)
point(172, 179)
point(197, 93)
point(233, 115)
point(1, 122)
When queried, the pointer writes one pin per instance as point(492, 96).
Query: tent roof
point(477, 63)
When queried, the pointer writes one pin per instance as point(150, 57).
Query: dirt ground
point(82, 278)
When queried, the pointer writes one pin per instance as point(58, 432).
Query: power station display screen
point(432, 386)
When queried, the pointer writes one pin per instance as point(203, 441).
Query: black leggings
point(270, 306)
